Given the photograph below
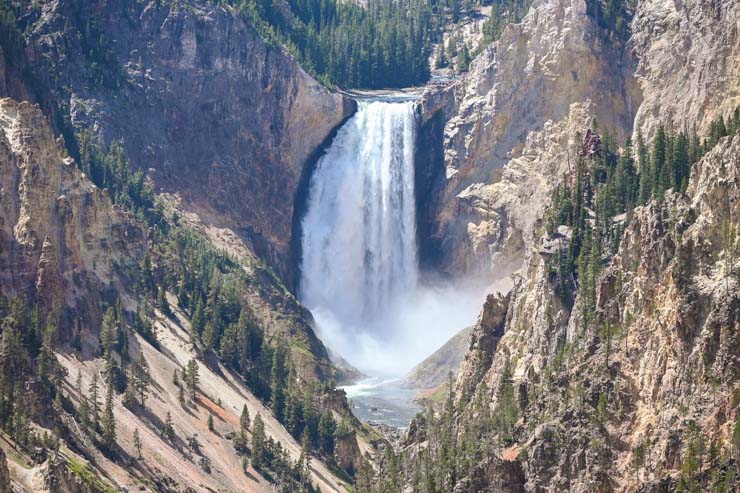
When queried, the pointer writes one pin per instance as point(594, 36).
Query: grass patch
point(89, 477)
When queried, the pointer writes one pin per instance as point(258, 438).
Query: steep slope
point(689, 62)
point(639, 391)
point(509, 134)
point(197, 99)
point(625, 406)
point(434, 370)
point(61, 242)
point(69, 251)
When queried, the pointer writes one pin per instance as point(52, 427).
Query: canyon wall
point(66, 248)
point(513, 123)
point(216, 116)
point(511, 132)
point(61, 242)
point(622, 415)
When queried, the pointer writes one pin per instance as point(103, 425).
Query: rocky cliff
point(509, 136)
point(688, 67)
point(67, 249)
point(640, 393)
point(637, 392)
point(511, 123)
point(61, 242)
point(198, 100)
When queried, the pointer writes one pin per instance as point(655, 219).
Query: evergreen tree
point(169, 429)
point(658, 161)
point(95, 402)
point(258, 442)
point(244, 420)
point(327, 427)
point(162, 303)
point(507, 406)
point(192, 377)
point(108, 421)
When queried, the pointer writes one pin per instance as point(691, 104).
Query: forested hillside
point(381, 45)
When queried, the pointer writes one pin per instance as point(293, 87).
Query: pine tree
point(198, 322)
point(130, 394)
point(463, 59)
point(169, 429)
point(327, 427)
point(192, 377)
point(162, 303)
point(244, 421)
point(106, 334)
point(108, 420)
point(507, 406)
point(658, 161)
point(258, 442)
point(143, 378)
point(46, 356)
point(95, 402)
point(210, 422)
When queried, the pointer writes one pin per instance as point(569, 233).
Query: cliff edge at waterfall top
point(377, 246)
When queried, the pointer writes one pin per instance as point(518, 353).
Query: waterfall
point(359, 272)
point(359, 232)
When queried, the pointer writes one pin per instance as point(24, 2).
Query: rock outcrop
point(625, 412)
point(61, 241)
point(688, 67)
point(197, 98)
point(510, 135)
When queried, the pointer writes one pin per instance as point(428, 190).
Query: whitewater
point(359, 272)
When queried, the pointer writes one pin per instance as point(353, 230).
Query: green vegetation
point(607, 184)
point(613, 16)
point(385, 44)
point(30, 378)
point(109, 169)
point(503, 13)
point(88, 477)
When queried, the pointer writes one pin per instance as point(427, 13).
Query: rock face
point(667, 380)
point(484, 340)
point(60, 240)
point(688, 62)
point(66, 248)
point(544, 79)
point(511, 121)
point(434, 370)
point(196, 97)
point(669, 372)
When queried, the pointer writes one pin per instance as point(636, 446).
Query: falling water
point(359, 273)
point(359, 233)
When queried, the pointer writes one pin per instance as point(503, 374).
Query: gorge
point(227, 231)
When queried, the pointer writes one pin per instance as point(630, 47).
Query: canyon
point(454, 189)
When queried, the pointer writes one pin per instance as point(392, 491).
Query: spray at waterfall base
point(360, 276)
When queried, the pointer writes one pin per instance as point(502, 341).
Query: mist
point(360, 270)
point(418, 324)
